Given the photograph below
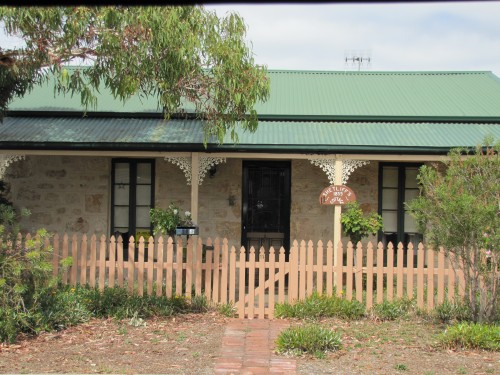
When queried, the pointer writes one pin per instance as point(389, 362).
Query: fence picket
point(112, 261)
point(159, 267)
point(293, 280)
point(179, 268)
point(441, 276)
point(216, 272)
point(410, 270)
point(302, 270)
point(380, 273)
point(222, 276)
point(74, 255)
point(420, 276)
point(140, 269)
point(83, 260)
point(399, 271)
point(310, 268)
point(359, 272)
point(199, 271)
point(272, 273)
point(329, 268)
point(55, 255)
point(131, 264)
point(251, 283)
point(390, 272)
point(120, 264)
point(224, 271)
point(262, 281)
point(430, 278)
point(208, 274)
point(102, 263)
point(232, 275)
point(339, 269)
point(349, 271)
point(189, 266)
point(150, 266)
point(170, 267)
point(319, 268)
point(281, 279)
point(241, 284)
point(369, 276)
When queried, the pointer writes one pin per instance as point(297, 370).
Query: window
point(132, 197)
point(397, 185)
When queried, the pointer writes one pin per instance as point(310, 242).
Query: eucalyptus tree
point(184, 56)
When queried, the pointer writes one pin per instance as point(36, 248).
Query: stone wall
point(216, 216)
point(72, 194)
point(63, 193)
point(312, 221)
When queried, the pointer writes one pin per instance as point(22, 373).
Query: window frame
point(400, 210)
point(132, 222)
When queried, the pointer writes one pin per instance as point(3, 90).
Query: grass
point(471, 336)
point(312, 339)
point(317, 306)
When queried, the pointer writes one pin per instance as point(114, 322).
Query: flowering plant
point(166, 220)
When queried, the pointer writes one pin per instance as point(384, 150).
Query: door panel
point(266, 205)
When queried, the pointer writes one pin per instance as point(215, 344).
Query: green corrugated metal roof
point(305, 137)
point(317, 95)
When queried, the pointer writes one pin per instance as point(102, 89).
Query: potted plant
point(356, 225)
point(165, 221)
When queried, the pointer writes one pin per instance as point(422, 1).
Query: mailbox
point(186, 231)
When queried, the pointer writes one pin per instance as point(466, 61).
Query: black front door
point(266, 205)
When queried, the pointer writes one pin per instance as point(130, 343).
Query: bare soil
point(190, 344)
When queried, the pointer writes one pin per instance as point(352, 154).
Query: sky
point(421, 36)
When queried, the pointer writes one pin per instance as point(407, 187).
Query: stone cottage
point(101, 173)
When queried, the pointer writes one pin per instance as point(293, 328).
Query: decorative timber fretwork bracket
point(184, 163)
point(6, 160)
point(328, 166)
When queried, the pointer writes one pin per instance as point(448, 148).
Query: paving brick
point(248, 348)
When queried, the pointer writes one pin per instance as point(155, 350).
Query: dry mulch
point(190, 344)
point(184, 344)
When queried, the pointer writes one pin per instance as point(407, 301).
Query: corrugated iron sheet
point(350, 94)
point(270, 135)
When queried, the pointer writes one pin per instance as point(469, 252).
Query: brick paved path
point(248, 348)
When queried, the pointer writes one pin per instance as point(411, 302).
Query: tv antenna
point(361, 59)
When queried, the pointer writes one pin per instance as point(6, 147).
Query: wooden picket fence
point(255, 281)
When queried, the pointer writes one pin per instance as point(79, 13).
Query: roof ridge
point(382, 72)
point(373, 72)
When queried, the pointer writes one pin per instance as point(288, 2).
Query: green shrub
point(227, 309)
point(25, 277)
point(309, 339)
point(317, 306)
point(199, 304)
point(392, 310)
point(471, 336)
point(452, 311)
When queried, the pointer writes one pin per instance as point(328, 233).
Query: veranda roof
point(308, 111)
